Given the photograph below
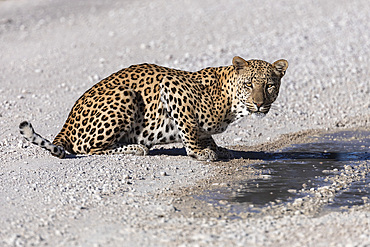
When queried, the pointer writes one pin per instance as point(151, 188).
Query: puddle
point(290, 173)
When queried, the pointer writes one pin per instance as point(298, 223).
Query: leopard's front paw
point(204, 154)
point(223, 153)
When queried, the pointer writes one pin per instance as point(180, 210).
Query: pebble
point(293, 191)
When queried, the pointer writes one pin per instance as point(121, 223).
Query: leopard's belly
point(160, 131)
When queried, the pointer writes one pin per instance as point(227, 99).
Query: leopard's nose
point(258, 105)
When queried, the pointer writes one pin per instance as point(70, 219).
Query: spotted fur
point(143, 105)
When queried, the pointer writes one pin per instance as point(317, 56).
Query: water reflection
point(302, 165)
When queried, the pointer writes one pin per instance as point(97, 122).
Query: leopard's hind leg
point(120, 148)
point(120, 121)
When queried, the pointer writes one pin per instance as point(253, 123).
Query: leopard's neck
point(227, 84)
point(220, 83)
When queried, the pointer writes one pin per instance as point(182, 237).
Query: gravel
point(53, 51)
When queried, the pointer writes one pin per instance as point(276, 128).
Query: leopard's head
point(258, 84)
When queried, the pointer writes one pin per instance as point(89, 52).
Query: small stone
point(223, 202)
point(266, 176)
point(169, 57)
point(293, 191)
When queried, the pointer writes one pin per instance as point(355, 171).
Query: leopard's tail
point(29, 134)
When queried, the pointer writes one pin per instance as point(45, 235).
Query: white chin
point(258, 115)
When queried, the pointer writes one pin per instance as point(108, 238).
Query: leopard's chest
point(238, 110)
point(215, 128)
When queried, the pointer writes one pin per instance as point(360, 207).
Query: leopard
point(143, 105)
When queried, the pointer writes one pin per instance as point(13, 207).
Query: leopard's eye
point(270, 85)
point(249, 84)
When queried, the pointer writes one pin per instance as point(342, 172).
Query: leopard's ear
point(239, 64)
point(280, 66)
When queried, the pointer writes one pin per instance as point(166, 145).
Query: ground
point(53, 51)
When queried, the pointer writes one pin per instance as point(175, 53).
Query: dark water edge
point(287, 171)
